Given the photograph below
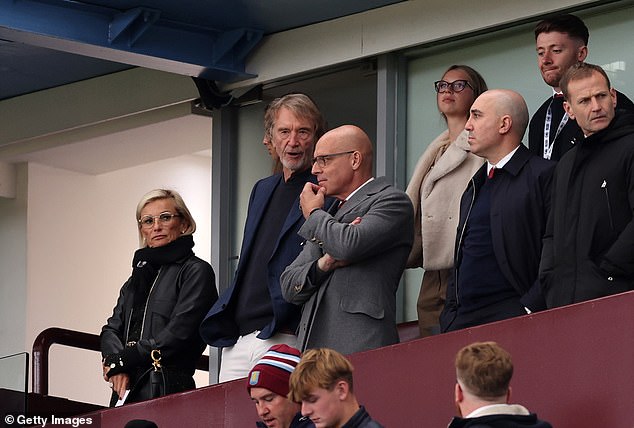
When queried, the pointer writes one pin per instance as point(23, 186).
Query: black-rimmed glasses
point(321, 160)
point(456, 85)
point(147, 221)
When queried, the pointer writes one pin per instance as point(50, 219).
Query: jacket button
point(297, 288)
point(610, 278)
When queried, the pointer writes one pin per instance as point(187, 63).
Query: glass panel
point(13, 383)
point(506, 59)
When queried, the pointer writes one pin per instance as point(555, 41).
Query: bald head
point(343, 160)
point(348, 138)
point(497, 123)
point(511, 103)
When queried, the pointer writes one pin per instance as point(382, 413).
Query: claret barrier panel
point(574, 366)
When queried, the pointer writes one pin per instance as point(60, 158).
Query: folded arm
point(381, 228)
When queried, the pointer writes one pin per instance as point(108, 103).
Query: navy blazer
point(219, 327)
point(520, 203)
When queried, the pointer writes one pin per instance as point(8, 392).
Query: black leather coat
point(180, 297)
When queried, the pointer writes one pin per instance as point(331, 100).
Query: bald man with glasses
point(352, 260)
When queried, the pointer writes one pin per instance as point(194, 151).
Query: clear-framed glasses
point(147, 221)
point(456, 85)
point(302, 134)
point(322, 160)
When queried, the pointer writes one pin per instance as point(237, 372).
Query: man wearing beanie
point(267, 385)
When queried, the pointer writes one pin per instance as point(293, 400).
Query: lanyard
point(548, 146)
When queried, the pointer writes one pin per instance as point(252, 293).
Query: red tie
point(491, 172)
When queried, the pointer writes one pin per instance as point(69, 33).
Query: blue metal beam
point(137, 37)
point(133, 22)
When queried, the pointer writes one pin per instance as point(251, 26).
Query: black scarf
point(145, 266)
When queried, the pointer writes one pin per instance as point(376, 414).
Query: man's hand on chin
point(311, 198)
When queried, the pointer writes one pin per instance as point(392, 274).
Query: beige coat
point(440, 177)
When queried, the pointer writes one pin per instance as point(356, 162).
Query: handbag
point(157, 375)
point(152, 383)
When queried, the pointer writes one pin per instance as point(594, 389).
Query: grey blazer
point(353, 308)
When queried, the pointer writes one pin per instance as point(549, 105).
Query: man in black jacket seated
point(588, 245)
point(561, 41)
point(482, 392)
point(322, 382)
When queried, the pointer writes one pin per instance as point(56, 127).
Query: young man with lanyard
point(561, 42)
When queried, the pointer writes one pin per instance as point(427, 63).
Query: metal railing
point(72, 338)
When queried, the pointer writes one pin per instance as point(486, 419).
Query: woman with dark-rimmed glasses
point(438, 181)
point(160, 306)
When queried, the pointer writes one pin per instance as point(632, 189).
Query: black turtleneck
point(253, 306)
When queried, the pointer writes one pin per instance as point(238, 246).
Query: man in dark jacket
point(502, 220)
point(561, 41)
point(482, 393)
point(589, 242)
point(322, 382)
point(250, 316)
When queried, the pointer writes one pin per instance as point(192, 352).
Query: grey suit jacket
point(354, 308)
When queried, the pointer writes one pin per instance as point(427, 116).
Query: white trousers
point(237, 360)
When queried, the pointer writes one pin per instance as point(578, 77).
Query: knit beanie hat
point(274, 369)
